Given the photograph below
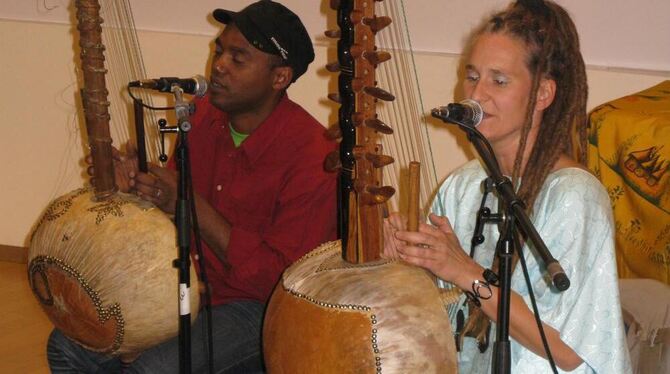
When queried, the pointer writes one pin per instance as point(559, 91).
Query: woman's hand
point(436, 248)
point(391, 225)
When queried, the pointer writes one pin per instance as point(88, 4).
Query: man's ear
point(546, 91)
point(283, 75)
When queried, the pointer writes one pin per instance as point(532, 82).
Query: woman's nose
point(478, 92)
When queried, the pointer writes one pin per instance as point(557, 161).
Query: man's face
point(242, 76)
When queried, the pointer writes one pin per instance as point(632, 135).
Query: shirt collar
point(266, 133)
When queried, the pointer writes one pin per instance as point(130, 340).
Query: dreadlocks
point(552, 43)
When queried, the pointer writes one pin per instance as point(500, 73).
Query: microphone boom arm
point(506, 191)
point(517, 208)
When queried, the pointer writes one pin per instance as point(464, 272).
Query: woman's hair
point(552, 44)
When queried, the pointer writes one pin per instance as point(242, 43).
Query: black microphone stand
point(514, 213)
point(185, 215)
point(183, 224)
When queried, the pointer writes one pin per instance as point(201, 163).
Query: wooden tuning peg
point(335, 97)
point(377, 125)
point(377, 57)
point(379, 93)
point(377, 24)
point(333, 67)
point(379, 161)
point(333, 132)
point(376, 195)
point(335, 34)
point(332, 161)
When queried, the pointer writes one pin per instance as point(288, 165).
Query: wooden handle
point(413, 204)
point(94, 96)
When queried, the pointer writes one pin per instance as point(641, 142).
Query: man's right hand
point(124, 164)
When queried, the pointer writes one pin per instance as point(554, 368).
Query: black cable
point(483, 216)
point(203, 273)
point(477, 238)
point(536, 312)
point(130, 93)
point(470, 131)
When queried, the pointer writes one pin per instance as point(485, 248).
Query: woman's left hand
point(436, 248)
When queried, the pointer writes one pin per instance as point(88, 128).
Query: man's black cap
point(273, 28)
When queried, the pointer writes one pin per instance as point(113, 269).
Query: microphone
point(467, 112)
point(195, 86)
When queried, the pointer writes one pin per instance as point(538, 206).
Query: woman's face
point(498, 78)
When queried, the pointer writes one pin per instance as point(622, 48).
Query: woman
point(525, 69)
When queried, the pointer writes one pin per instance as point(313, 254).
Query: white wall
point(41, 144)
point(621, 33)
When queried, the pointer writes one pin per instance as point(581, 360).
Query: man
point(262, 197)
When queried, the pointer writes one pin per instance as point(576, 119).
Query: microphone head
point(200, 86)
point(466, 113)
point(476, 114)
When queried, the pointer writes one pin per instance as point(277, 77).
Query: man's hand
point(158, 187)
point(124, 164)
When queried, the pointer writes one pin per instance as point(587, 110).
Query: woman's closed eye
point(500, 81)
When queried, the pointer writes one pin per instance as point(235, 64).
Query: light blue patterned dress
point(573, 216)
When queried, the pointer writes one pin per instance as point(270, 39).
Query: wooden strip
point(414, 190)
point(9, 253)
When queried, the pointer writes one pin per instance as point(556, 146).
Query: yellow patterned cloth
point(629, 150)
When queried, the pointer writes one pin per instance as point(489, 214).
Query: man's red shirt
point(272, 189)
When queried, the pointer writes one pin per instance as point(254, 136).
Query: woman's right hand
point(435, 247)
point(125, 166)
